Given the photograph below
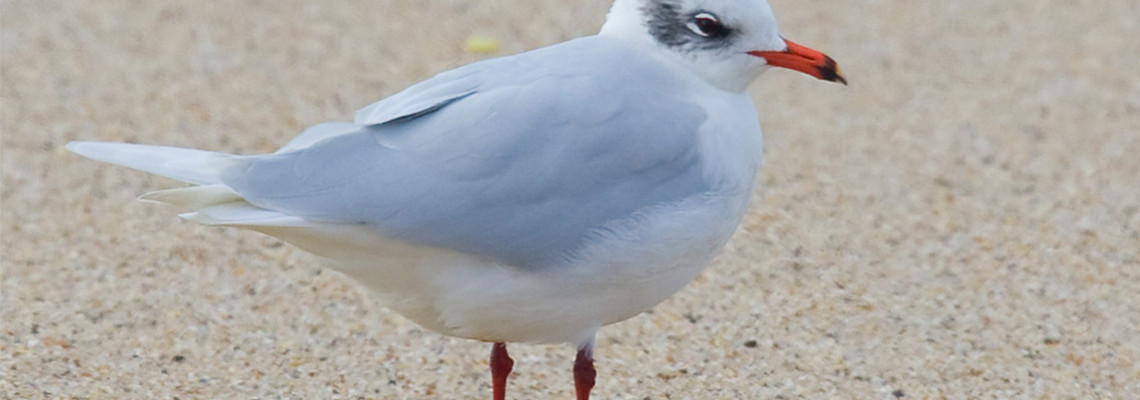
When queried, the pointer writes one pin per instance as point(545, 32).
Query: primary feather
point(199, 167)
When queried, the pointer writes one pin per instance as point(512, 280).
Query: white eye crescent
point(706, 25)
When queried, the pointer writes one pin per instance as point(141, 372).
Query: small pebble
point(479, 44)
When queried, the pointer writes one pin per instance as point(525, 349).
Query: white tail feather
point(242, 214)
point(194, 197)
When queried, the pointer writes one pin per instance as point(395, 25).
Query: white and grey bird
point(530, 198)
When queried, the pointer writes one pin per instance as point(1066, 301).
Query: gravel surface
point(962, 221)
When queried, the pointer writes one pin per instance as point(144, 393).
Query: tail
point(188, 165)
point(211, 202)
point(355, 248)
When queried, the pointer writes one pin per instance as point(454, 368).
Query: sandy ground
point(963, 221)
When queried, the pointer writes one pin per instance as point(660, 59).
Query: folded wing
point(490, 156)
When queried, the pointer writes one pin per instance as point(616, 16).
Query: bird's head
point(728, 43)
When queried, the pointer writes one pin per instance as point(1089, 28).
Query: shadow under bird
point(530, 198)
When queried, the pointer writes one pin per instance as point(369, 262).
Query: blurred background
point(962, 221)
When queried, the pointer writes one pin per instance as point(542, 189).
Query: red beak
point(803, 59)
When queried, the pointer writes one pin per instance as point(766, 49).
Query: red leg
point(584, 372)
point(501, 364)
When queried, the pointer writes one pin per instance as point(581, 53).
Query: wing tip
point(83, 148)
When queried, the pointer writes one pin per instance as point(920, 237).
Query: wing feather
point(485, 160)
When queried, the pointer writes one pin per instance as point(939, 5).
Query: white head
point(728, 43)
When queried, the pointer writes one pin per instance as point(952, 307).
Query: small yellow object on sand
point(479, 44)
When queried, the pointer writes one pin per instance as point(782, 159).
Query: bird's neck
point(624, 20)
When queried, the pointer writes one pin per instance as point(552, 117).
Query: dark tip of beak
point(830, 72)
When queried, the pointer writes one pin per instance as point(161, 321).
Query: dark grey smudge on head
point(668, 24)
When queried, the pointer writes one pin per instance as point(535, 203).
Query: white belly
point(624, 271)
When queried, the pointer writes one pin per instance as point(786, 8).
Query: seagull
point(531, 198)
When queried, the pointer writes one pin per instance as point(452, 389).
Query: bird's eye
point(706, 25)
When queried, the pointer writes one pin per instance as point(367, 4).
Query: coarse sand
point(962, 221)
